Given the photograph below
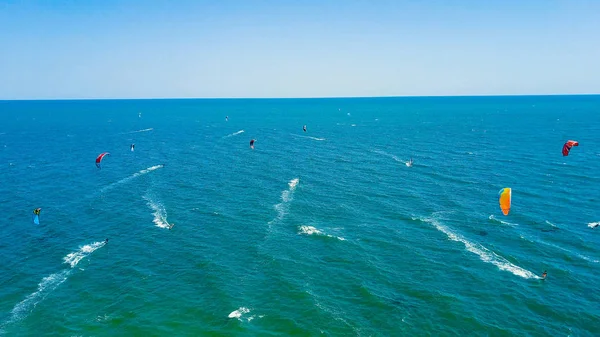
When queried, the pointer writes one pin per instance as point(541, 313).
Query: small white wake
point(581, 256)
point(310, 230)
point(238, 313)
point(484, 254)
point(493, 218)
point(138, 131)
point(50, 283)
point(593, 224)
point(160, 213)
point(286, 197)
point(307, 137)
point(390, 155)
point(131, 177)
point(234, 134)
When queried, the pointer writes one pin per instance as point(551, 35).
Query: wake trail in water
point(131, 177)
point(234, 134)
point(307, 137)
point(137, 131)
point(286, 197)
point(581, 256)
point(160, 213)
point(242, 311)
point(50, 283)
point(310, 230)
point(484, 254)
point(383, 153)
point(73, 258)
point(493, 218)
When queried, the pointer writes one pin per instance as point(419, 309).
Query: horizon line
point(274, 98)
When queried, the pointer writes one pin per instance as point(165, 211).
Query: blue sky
point(221, 48)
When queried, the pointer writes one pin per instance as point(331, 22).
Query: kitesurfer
point(132, 147)
point(544, 274)
point(171, 226)
point(304, 128)
point(106, 241)
point(226, 118)
point(36, 216)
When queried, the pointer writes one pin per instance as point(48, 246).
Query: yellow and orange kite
point(504, 200)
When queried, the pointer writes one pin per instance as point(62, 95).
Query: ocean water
point(327, 232)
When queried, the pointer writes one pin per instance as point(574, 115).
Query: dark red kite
point(568, 145)
point(100, 157)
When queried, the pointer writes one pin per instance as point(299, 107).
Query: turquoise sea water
point(326, 232)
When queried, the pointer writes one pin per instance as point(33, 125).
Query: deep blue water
point(326, 232)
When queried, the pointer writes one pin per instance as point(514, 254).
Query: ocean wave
point(131, 177)
point(234, 134)
point(160, 213)
point(493, 218)
point(484, 254)
point(310, 230)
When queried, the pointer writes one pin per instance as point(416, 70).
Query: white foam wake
point(50, 283)
point(47, 285)
point(310, 230)
point(389, 155)
point(143, 130)
point(286, 197)
point(594, 224)
point(160, 213)
point(307, 137)
point(74, 258)
point(484, 254)
point(234, 134)
point(239, 312)
point(581, 256)
point(131, 177)
point(493, 218)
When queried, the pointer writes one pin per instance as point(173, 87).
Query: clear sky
point(310, 48)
